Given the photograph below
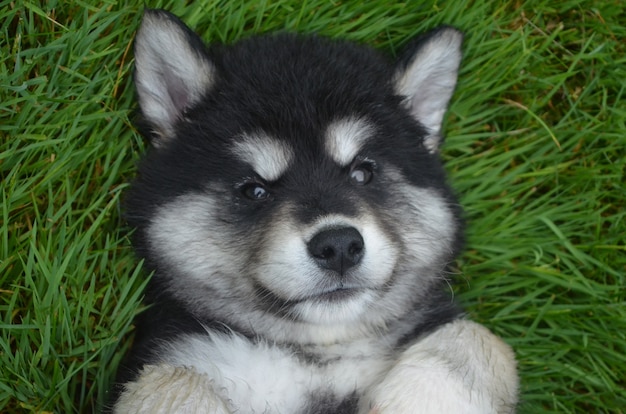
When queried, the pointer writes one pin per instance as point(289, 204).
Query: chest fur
point(261, 377)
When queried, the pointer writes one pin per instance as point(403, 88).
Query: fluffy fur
point(296, 215)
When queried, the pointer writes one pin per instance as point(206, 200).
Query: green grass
point(536, 149)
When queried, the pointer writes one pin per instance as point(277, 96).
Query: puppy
point(296, 215)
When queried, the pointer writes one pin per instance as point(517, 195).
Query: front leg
point(162, 389)
point(461, 368)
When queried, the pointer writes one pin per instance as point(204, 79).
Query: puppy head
point(294, 187)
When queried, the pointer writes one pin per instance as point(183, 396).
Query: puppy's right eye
point(254, 191)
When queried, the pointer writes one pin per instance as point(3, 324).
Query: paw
point(168, 389)
point(461, 368)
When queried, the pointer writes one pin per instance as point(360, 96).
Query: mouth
point(334, 295)
point(323, 305)
point(334, 306)
point(337, 294)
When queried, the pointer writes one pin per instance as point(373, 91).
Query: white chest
point(262, 378)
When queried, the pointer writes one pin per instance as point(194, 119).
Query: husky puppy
point(296, 215)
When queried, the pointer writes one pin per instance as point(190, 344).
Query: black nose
point(337, 249)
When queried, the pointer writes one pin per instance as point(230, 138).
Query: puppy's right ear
point(172, 71)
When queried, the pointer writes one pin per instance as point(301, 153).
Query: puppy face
point(295, 185)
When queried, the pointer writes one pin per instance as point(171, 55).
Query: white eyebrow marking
point(345, 137)
point(268, 156)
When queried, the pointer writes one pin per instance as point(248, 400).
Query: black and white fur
point(296, 215)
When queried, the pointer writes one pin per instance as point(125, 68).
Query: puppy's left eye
point(361, 173)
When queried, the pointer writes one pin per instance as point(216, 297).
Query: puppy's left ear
point(426, 76)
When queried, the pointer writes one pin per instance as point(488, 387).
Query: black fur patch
point(327, 403)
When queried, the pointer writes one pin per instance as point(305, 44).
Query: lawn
point(536, 148)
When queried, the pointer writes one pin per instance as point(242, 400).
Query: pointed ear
point(426, 76)
point(172, 71)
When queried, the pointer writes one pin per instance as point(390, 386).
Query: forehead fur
point(268, 156)
point(345, 137)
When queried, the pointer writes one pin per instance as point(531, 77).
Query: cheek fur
point(194, 236)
